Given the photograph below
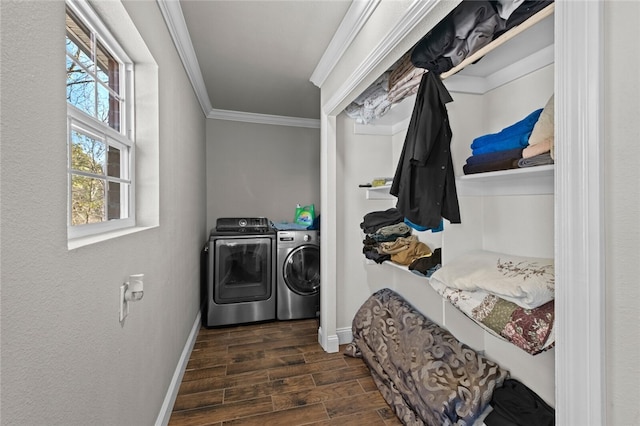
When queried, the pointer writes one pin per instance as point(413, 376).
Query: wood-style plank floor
point(277, 374)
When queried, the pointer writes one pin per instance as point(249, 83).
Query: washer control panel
point(298, 237)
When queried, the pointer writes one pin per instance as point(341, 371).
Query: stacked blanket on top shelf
point(527, 143)
point(470, 26)
point(510, 296)
point(401, 81)
point(388, 238)
point(372, 103)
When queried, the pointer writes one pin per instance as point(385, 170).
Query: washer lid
point(301, 270)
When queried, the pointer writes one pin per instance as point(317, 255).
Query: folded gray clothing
point(373, 221)
point(536, 160)
point(395, 229)
point(387, 238)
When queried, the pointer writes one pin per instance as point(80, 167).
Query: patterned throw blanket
point(425, 374)
point(529, 329)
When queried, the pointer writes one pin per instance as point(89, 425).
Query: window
point(100, 143)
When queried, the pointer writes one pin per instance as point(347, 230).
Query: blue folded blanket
point(512, 142)
point(514, 136)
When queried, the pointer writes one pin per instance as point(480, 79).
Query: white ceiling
point(255, 56)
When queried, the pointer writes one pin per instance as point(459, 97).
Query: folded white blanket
point(527, 281)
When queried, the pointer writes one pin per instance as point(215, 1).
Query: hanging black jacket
point(424, 181)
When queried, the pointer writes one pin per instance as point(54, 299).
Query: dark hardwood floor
point(275, 373)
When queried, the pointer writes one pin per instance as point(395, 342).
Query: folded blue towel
point(523, 126)
point(503, 144)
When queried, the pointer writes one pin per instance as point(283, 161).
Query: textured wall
point(622, 210)
point(361, 158)
point(66, 359)
point(261, 170)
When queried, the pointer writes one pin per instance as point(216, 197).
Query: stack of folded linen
point(510, 296)
point(372, 103)
point(540, 150)
point(404, 79)
point(389, 238)
point(527, 143)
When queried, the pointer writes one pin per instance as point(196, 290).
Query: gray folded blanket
point(536, 160)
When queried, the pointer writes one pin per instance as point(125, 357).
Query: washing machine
point(298, 288)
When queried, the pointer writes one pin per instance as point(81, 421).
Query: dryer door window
point(302, 270)
point(242, 270)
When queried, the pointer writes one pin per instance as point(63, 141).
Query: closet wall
point(362, 157)
point(514, 224)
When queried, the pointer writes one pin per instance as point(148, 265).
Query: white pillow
point(527, 281)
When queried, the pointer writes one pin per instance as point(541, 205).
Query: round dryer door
point(302, 270)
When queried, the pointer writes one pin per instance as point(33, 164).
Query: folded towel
point(503, 144)
point(516, 130)
point(537, 160)
point(492, 166)
point(537, 149)
point(543, 131)
point(509, 154)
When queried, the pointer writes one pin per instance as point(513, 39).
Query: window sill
point(76, 243)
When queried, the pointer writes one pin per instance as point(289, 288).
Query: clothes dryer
point(241, 274)
point(298, 288)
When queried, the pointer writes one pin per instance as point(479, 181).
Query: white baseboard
point(329, 343)
point(172, 393)
point(332, 343)
point(345, 335)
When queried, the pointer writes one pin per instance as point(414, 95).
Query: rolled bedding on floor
point(424, 373)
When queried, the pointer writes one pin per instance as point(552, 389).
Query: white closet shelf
point(536, 180)
point(379, 193)
point(525, 181)
point(388, 263)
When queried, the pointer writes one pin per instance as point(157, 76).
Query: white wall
point(261, 170)
point(66, 359)
point(360, 159)
point(622, 210)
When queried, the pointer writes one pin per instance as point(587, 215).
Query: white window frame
point(86, 124)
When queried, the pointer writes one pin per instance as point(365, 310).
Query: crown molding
point(250, 117)
point(357, 15)
point(411, 17)
point(173, 17)
point(177, 26)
